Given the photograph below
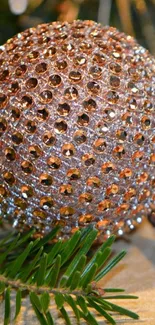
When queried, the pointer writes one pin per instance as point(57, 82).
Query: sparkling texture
point(76, 129)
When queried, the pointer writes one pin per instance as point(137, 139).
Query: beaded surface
point(76, 129)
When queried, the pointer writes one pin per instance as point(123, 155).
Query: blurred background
point(134, 17)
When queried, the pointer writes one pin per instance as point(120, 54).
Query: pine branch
point(59, 271)
point(38, 290)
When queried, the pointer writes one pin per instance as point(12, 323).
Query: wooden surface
point(136, 273)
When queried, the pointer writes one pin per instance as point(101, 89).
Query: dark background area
point(135, 17)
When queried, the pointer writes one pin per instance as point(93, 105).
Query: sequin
point(54, 80)
point(71, 93)
point(31, 83)
point(46, 96)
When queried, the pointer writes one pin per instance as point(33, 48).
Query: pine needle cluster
point(62, 271)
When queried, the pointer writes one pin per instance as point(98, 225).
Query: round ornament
point(76, 129)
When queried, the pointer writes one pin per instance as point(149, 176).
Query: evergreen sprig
point(62, 271)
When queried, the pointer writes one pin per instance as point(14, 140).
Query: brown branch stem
point(16, 284)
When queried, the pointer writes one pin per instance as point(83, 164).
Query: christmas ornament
point(76, 126)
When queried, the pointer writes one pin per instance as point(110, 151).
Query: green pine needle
point(66, 316)
point(47, 270)
point(7, 307)
point(18, 303)
point(101, 311)
point(49, 318)
point(73, 305)
point(45, 301)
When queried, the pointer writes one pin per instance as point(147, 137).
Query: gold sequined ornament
point(76, 129)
